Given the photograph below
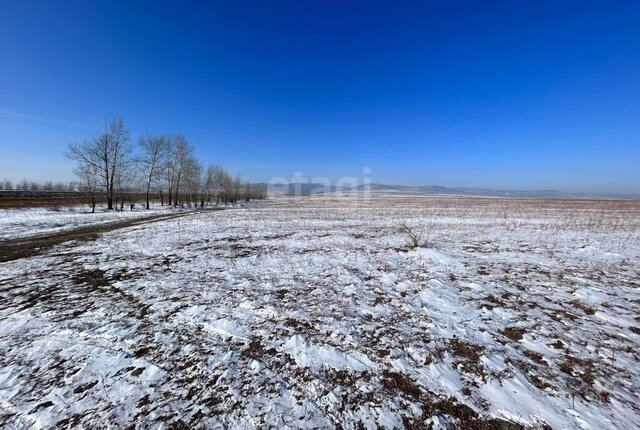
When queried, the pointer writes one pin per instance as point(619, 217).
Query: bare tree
point(89, 183)
point(253, 192)
point(125, 185)
point(183, 153)
point(225, 185)
point(237, 189)
point(154, 150)
point(208, 188)
point(192, 180)
point(169, 168)
point(178, 152)
point(107, 154)
point(214, 179)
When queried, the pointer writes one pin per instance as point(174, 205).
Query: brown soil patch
point(535, 356)
point(514, 333)
point(467, 350)
point(584, 308)
point(398, 382)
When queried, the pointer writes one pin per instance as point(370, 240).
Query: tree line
point(27, 185)
point(162, 166)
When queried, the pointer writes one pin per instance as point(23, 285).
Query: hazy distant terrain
point(305, 189)
point(328, 312)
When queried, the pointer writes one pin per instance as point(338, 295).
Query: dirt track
point(27, 247)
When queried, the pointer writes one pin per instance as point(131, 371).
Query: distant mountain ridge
point(306, 189)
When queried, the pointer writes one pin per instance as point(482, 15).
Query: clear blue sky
point(509, 94)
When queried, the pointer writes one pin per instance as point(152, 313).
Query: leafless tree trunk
point(153, 151)
point(120, 138)
point(182, 152)
point(208, 185)
point(89, 183)
point(125, 185)
point(192, 180)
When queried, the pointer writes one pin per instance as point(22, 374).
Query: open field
point(319, 313)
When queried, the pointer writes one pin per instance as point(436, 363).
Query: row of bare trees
point(164, 166)
point(27, 185)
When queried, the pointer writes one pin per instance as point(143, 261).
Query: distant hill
point(468, 191)
point(302, 189)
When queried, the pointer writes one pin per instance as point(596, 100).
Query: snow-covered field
point(21, 223)
point(316, 314)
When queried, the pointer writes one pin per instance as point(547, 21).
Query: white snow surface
point(25, 222)
point(314, 313)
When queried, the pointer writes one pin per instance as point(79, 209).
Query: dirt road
point(27, 247)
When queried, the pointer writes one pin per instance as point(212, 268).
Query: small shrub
point(415, 238)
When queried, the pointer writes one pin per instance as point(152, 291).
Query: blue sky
point(520, 95)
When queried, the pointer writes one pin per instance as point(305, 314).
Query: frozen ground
point(25, 222)
point(316, 314)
